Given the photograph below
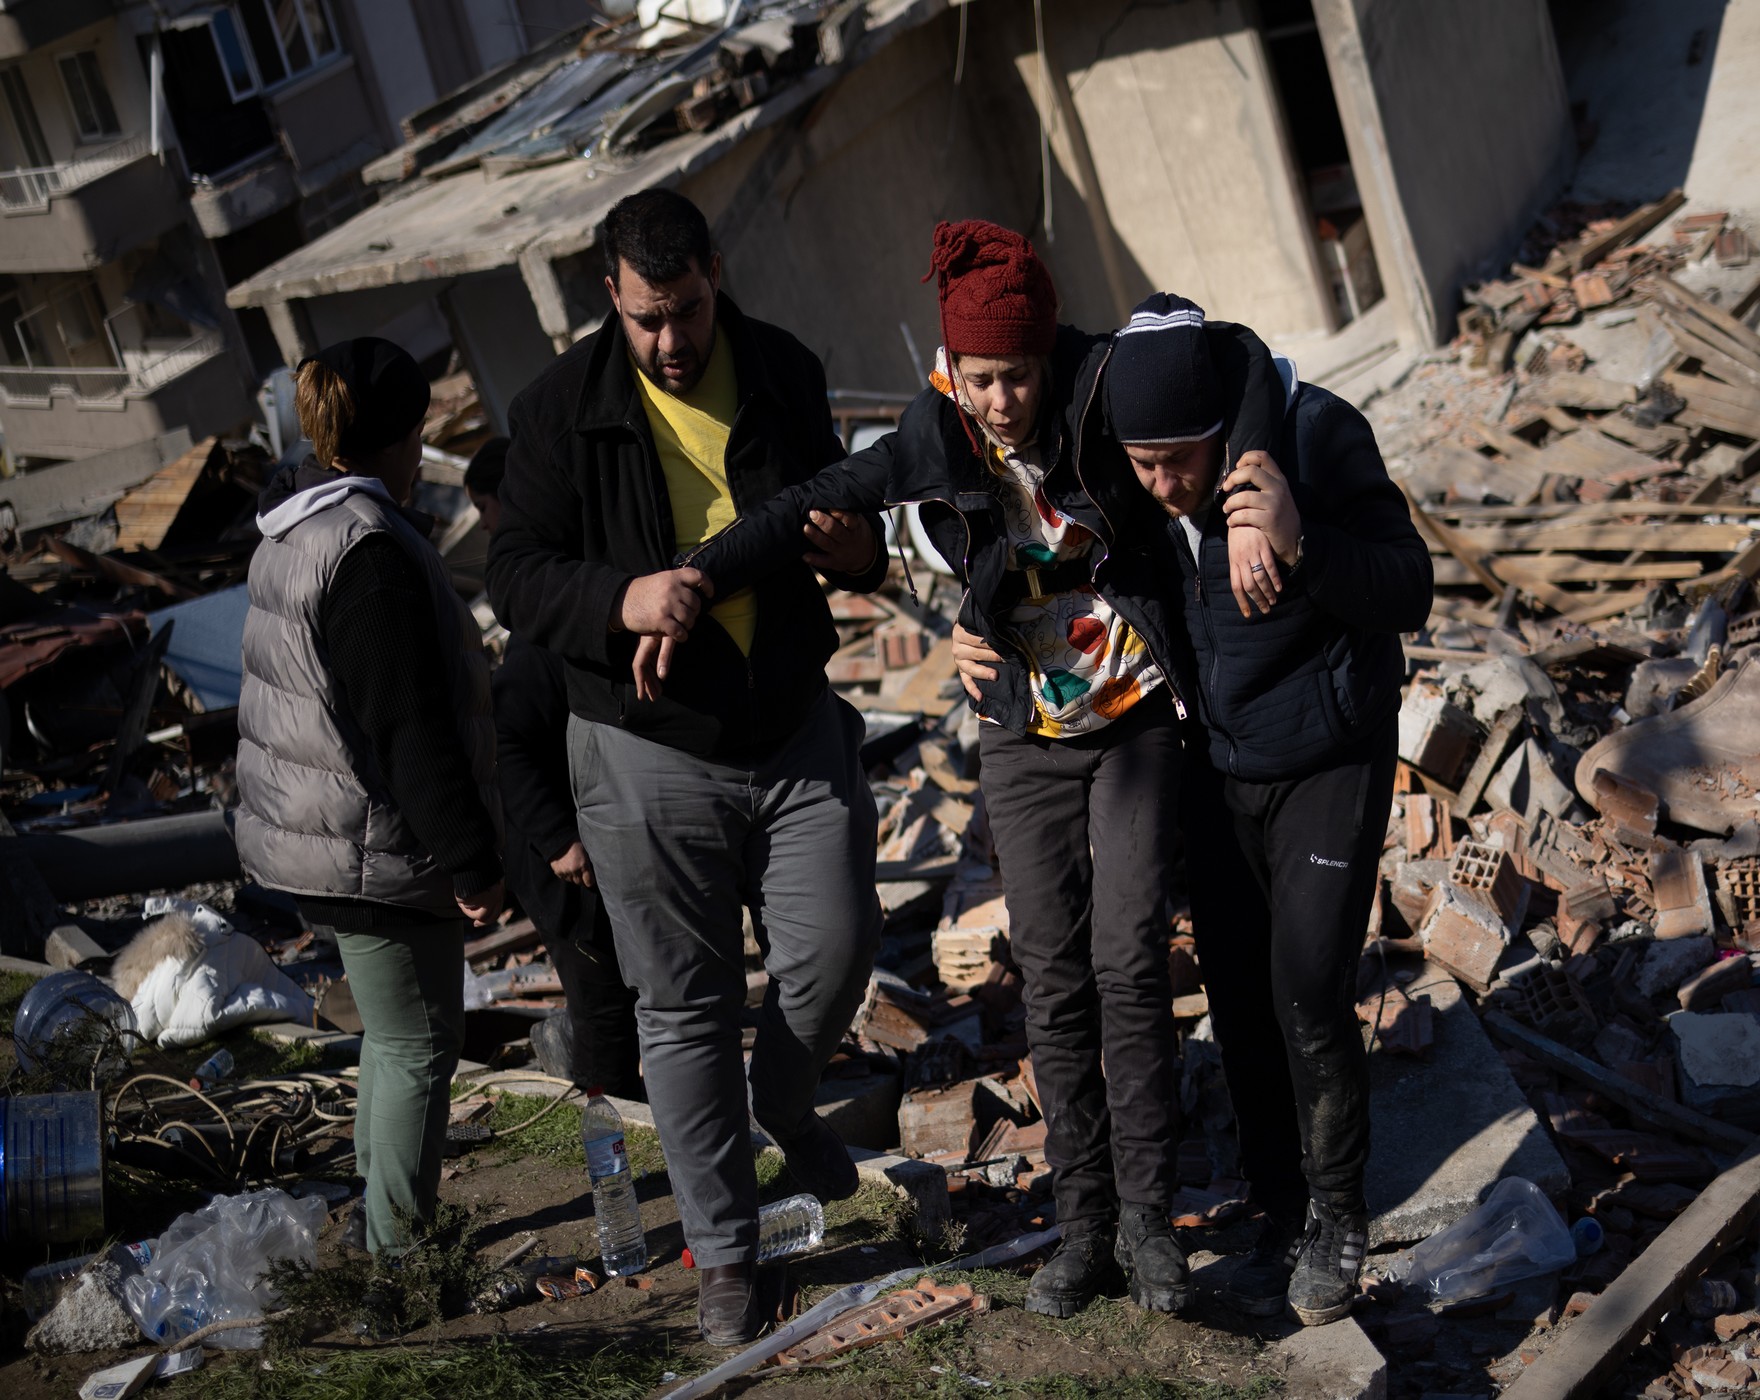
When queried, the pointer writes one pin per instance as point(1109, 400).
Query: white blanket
point(230, 982)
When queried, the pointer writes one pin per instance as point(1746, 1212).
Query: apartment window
point(235, 64)
point(285, 37)
point(93, 113)
point(31, 145)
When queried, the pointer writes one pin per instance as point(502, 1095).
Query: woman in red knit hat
point(1081, 748)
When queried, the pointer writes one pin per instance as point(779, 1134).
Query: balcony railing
point(36, 385)
point(25, 190)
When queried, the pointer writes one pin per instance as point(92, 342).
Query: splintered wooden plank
point(1711, 404)
point(1692, 537)
point(1586, 391)
point(1592, 454)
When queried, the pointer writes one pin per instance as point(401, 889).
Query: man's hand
point(1270, 507)
point(484, 907)
point(572, 866)
point(653, 662)
point(972, 655)
point(664, 604)
point(841, 542)
point(1252, 570)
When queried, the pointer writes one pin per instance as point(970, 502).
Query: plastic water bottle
point(623, 1248)
point(212, 1070)
point(1587, 1235)
point(789, 1227)
point(43, 1285)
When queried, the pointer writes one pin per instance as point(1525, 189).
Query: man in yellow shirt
point(740, 785)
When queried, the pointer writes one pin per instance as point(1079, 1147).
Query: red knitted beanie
point(996, 296)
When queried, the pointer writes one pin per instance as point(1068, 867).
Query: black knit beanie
point(1160, 383)
point(389, 391)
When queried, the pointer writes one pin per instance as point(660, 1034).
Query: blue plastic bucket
point(51, 1167)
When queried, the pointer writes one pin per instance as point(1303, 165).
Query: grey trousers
point(679, 846)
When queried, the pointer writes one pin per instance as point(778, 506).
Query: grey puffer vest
point(314, 818)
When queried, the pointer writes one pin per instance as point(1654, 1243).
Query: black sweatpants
point(601, 1009)
point(1082, 827)
point(1282, 877)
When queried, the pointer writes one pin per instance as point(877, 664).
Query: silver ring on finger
point(1258, 568)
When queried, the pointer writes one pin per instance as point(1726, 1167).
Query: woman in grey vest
point(366, 756)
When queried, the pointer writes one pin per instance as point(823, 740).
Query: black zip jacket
point(931, 461)
point(1301, 689)
point(584, 509)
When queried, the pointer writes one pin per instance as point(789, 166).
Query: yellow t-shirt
point(690, 432)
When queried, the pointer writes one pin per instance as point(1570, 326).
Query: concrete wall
point(405, 313)
point(95, 223)
point(324, 115)
point(826, 222)
point(393, 48)
point(1459, 131)
point(496, 330)
point(209, 399)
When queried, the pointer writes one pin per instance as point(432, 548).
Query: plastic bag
point(210, 1266)
point(1513, 1234)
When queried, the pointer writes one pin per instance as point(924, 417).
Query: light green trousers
point(408, 985)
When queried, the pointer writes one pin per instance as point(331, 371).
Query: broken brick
point(1679, 893)
point(1464, 934)
point(1490, 871)
point(1633, 810)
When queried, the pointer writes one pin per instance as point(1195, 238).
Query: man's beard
point(695, 367)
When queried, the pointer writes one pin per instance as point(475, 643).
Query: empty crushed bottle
point(522, 1282)
point(43, 1285)
point(791, 1226)
point(623, 1248)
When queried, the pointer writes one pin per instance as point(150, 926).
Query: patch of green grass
point(13, 986)
point(497, 1367)
point(555, 1137)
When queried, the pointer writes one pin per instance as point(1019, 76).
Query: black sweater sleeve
point(1363, 560)
point(378, 624)
point(1252, 390)
point(763, 540)
point(531, 749)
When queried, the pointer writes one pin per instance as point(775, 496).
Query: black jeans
point(1282, 877)
point(601, 1009)
point(1082, 828)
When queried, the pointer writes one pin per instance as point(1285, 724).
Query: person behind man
point(1289, 782)
point(741, 785)
point(366, 754)
point(547, 867)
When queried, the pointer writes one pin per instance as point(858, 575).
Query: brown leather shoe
point(727, 1305)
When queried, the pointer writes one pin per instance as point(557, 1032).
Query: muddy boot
point(1260, 1286)
point(1324, 1283)
point(1081, 1270)
point(727, 1304)
point(1152, 1260)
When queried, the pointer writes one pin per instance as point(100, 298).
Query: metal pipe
point(153, 853)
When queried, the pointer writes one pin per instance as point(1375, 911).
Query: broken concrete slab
point(1670, 961)
point(1718, 1064)
point(1527, 783)
point(70, 946)
point(1702, 760)
point(1446, 1129)
point(924, 1184)
point(1336, 1362)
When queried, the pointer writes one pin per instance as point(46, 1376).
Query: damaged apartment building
point(1299, 165)
point(152, 154)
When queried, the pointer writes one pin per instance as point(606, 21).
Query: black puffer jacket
point(1289, 693)
point(584, 509)
point(931, 462)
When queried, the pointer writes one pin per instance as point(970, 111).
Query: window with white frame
point(94, 116)
point(262, 43)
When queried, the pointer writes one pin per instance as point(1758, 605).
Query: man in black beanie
point(1289, 780)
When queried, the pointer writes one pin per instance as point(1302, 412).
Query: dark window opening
point(215, 131)
point(93, 112)
point(1321, 154)
point(24, 119)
